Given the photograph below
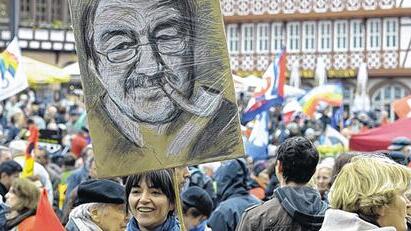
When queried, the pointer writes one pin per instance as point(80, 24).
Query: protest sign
point(157, 82)
point(12, 77)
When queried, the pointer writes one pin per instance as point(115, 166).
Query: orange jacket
point(27, 224)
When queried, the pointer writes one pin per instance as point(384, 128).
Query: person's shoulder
point(27, 224)
point(264, 208)
point(259, 216)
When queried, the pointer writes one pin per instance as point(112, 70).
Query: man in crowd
point(197, 207)
point(232, 192)
point(294, 206)
point(100, 206)
point(9, 171)
point(198, 178)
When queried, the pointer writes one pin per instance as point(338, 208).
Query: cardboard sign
point(157, 82)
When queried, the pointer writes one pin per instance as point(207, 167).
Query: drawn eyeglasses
point(165, 46)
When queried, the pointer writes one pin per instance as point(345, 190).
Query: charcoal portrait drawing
point(158, 90)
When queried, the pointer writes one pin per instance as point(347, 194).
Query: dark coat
point(291, 209)
point(197, 178)
point(233, 193)
point(3, 191)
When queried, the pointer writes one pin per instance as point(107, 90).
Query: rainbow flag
point(8, 63)
point(12, 77)
point(271, 93)
point(332, 94)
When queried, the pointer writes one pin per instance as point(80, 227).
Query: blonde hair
point(368, 183)
point(27, 192)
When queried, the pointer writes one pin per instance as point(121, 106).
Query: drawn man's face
point(139, 44)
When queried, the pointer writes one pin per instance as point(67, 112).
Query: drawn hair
point(186, 7)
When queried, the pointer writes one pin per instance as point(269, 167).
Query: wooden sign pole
point(179, 206)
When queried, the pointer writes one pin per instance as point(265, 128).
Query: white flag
point(12, 77)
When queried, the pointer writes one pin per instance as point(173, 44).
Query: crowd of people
point(294, 188)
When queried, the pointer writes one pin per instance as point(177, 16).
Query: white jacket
point(345, 221)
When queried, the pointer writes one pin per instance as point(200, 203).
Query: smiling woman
point(151, 200)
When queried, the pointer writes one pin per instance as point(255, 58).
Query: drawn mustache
point(205, 103)
point(142, 81)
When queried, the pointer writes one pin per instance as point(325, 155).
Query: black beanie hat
point(198, 198)
point(100, 191)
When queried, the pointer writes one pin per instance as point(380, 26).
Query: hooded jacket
point(345, 221)
point(291, 208)
point(233, 195)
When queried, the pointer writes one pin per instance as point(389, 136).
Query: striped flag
point(257, 144)
point(272, 92)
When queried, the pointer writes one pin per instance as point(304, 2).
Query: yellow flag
point(62, 188)
point(28, 168)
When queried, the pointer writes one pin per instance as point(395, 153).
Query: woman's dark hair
point(160, 179)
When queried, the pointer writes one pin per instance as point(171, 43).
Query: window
point(324, 40)
point(390, 33)
point(348, 93)
point(25, 10)
point(309, 36)
point(341, 36)
point(41, 11)
point(293, 32)
point(233, 39)
point(247, 37)
point(357, 35)
point(373, 34)
point(384, 96)
point(57, 10)
point(263, 37)
point(277, 37)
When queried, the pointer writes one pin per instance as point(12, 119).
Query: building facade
point(45, 33)
point(344, 33)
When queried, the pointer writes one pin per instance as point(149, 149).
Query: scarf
point(81, 217)
point(171, 224)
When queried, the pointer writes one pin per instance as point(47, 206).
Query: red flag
point(46, 219)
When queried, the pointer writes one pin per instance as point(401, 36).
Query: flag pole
point(14, 18)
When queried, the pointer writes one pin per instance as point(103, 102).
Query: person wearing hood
point(294, 206)
point(369, 194)
point(232, 192)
